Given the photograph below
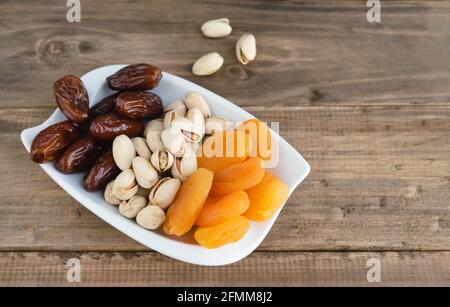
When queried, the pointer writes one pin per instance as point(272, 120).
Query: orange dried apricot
point(260, 136)
point(231, 230)
point(216, 211)
point(224, 149)
point(240, 176)
point(188, 203)
point(266, 197)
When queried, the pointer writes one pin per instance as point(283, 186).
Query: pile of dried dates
point(83, 141)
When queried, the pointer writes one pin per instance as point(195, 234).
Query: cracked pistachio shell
point(169, 117)
point(132, 207)
point(174, 141)
point(123, 151)
point(125, 186)
point(188, 129)
point(141, 147)
point(109, 198)
point(207, 64)
point(164, 192)
point(185, 166)
point(178, 107)
point(146, 175)
point(162, 160)
point(216, 28)
point(196, 116)
point(246, 48)
point(151, 217)
point(196, 100)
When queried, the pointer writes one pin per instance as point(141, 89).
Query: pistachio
point(216, 28)
point(154, 141)
point(207, 64)
point(162, 160)
point(123, 151)
point(185, 166)
point(151, 217)
point(164, 192)
point(196, 116)
point(246, 48)
point(152, 134)
point(195, 100)
point(125, 186)
point(146, 175)
point(109, 198)
point(141, 147)
point(132, 207)
point(190, 132)
point(156, 124)
point(178, 107)
point(169, 117)
point(215, 124)
point(174, 141)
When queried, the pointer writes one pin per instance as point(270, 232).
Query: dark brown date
point(107, 126)
point(106, 105)
point(80, 155)
point(72, 98)
point(103, 171)
point(138, 77)
point(51, 141)
point(139, 104)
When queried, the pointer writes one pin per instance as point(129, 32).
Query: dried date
point(139, 104)
point(107, 126)
point(72, 98)
point(138, 77)
point(106, 105)
point(51, 141)
point(103, 171)
point(80, 155)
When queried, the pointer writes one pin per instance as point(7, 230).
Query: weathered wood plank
point(259, 269)
point(367, 105)
point(379, 181)
point(309, 53)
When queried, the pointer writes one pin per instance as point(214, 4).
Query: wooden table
point(366, 104)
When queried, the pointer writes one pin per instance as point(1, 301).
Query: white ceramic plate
point(292, 169)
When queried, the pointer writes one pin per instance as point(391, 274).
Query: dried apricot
point(240, 176)
point(189, 201)
point(260, 136)
point(224, 149)
point(231, 230)
point(266, 197)
point(216, 211)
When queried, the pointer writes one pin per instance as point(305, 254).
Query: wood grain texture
point(259, 269)
point(367, 105)
point(379, 181)
point(308, 53)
